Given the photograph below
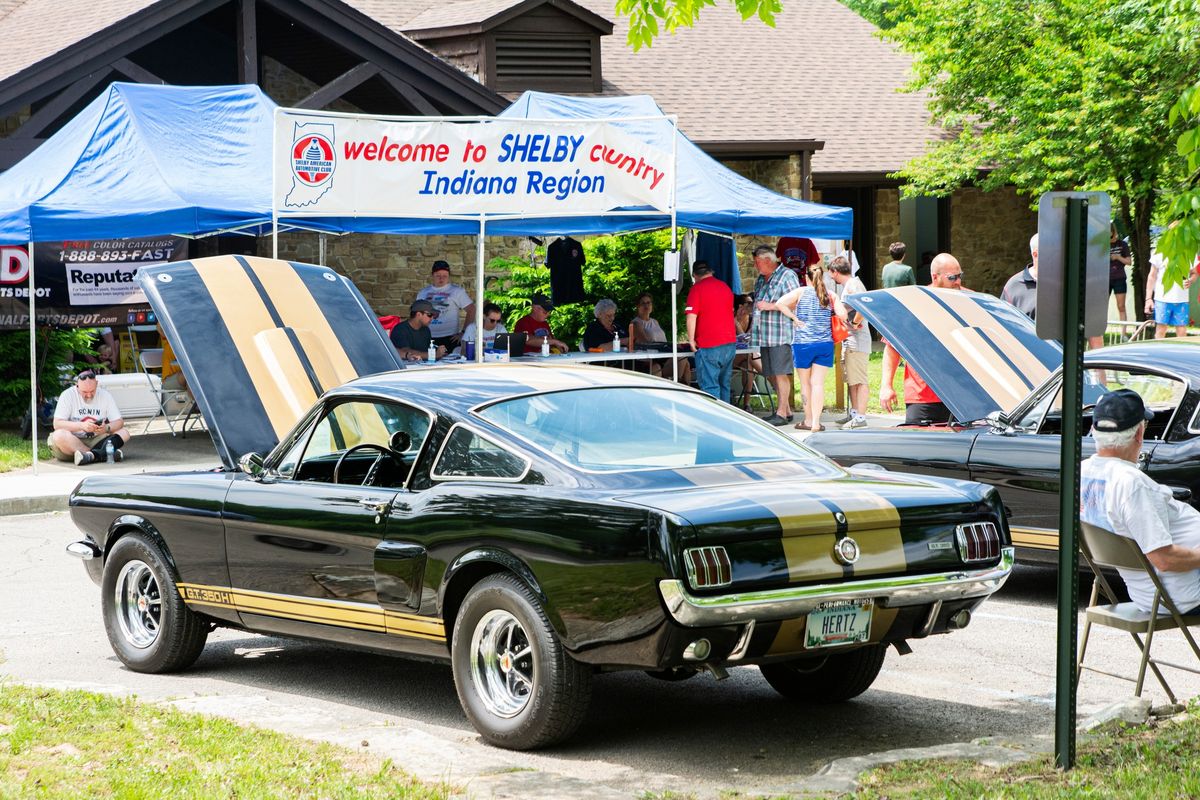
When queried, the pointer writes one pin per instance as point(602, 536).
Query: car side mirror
point(253, 465)
point(400, 442)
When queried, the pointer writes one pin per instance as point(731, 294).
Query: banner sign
point(332, 165)
point(82, 284)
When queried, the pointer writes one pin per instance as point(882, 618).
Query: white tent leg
point(33, 376)
point(479, 293)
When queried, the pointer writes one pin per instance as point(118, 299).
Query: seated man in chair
point(1117, 496)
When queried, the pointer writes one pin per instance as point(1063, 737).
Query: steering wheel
point(369, 478)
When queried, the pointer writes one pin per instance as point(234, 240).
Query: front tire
point(829, 679)
point(517, 684)
point(148, 624)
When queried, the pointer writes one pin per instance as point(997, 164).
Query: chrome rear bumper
point(908, 590)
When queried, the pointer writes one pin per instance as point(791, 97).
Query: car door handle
point(378, 506)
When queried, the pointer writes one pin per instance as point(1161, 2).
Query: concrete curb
point(43, 504)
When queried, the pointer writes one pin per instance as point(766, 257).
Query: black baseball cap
point(422, 305)
point(543, 301)
point(439, 264)
point(1120, 411)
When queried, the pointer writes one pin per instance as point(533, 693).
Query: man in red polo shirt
point(711, 330)
point(921, 404)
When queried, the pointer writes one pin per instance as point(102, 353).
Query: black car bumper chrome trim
point(777, 604)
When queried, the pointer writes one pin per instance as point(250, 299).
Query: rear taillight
point(708, 567)
point(978, 541)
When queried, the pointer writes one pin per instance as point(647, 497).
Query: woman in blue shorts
point(810, 308)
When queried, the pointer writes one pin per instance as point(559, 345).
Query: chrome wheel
point(138, 604)
point(502, 663)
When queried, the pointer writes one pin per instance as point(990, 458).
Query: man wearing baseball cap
point(412, 337)
point(449, 300)
point(86, 420)
point(536, 325)
point(1117, 496)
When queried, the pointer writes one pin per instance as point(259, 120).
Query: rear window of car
point(611, 429)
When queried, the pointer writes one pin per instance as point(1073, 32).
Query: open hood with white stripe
point(259, 340)
point(978, 353)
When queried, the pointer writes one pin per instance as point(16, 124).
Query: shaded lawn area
point(17, 453)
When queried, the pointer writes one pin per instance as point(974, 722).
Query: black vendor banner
point(82, 284)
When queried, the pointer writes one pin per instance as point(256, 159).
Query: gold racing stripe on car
point(973, 346)
point(278, 377)
point(873, 522)
point(1026, 362)
point(312, 609)
point(713, 475)
point(295, 305)
point(1035, 538)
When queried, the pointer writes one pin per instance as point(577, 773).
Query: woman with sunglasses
point(810, 308)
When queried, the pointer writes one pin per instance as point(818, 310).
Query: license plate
point(839, 622)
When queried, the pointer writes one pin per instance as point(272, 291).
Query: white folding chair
point(1103, 550)
point(150, 360)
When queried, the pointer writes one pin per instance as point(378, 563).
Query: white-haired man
point(1117, 496)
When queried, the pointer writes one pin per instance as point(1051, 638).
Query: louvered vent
point(536, 62)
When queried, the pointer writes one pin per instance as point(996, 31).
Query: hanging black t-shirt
point(565, 259)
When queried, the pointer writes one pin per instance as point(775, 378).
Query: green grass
point(81, 745)
point(1152, 761)
point(16, 453)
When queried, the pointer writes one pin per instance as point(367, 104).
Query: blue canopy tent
point(144, 160)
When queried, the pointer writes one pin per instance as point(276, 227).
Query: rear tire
point(517, 684)
point(830, 679)
point(148, 624)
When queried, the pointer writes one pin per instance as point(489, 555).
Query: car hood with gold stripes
point(259, 340)
point(978, 353)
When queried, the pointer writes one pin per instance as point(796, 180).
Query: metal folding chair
point(1102, 550)
point(151, 358)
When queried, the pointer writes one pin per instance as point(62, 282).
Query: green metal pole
point(1068, 502)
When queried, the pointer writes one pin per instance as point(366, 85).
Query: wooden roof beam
point(348, 80)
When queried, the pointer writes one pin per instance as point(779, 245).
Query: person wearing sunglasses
point(922, 406)
point(412, 337)
point(86, 421)
point(491, 326)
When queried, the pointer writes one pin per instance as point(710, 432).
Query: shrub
point(54, 348)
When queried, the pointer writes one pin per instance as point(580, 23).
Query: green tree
point(646, 16)
point(1181, 241)
point(1050, 95)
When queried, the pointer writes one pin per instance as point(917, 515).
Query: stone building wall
point(989, 234)
point(887, 227)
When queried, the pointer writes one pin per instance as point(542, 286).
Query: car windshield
point(610, 429)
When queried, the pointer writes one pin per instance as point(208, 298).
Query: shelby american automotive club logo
point(313, 163)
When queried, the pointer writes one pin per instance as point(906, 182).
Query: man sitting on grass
point(85, 421)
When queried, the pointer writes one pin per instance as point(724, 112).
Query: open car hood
point(259, 340)
point(978, 353)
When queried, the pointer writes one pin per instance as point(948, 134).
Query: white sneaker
point(856, 422)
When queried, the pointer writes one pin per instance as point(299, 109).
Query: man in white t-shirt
point(1169, 305)
point(85, 421)
point(1117, 496)
point(449, 300)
